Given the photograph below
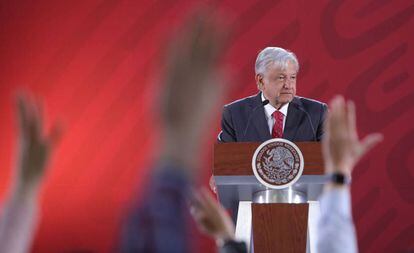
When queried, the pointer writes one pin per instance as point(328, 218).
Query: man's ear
point(259, 81)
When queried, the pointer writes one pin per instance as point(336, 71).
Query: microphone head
point(265, 102)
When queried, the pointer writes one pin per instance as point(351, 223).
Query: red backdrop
point(94, 63)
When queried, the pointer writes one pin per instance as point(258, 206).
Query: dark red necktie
point(277, 130)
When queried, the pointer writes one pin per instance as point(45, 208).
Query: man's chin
point(286, 98)
point(281, 102)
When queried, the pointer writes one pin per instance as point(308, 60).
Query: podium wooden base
point(280, 227)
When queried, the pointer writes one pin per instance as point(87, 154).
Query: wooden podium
point(269, 220)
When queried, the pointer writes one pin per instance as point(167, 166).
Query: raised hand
point(34, 147)
point(342, 148)
point(211, 218)
point(18, 221)
point(193, 86)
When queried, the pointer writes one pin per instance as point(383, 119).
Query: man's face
point(277, 85)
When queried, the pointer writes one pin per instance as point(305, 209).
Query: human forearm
point(18, 221)
point(336, 231)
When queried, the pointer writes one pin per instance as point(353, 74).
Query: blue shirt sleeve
point(158, 222)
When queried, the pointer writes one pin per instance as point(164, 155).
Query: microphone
point(309, 119)
point(264, 102)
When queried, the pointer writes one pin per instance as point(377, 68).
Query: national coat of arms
point(277, 163)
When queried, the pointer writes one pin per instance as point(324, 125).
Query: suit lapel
point(293, 120)
point(259, 118)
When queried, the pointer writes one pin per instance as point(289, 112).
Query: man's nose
point(287, 84)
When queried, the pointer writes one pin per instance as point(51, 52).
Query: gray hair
point(271, 55)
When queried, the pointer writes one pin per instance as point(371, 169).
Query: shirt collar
point(269, 109)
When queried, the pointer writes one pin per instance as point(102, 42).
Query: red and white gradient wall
point(95, 63)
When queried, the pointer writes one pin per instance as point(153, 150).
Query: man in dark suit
point(276, 111)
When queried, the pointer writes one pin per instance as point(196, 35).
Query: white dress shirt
point(269, 110)
point(336, 231)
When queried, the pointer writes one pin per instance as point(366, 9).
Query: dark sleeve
point(233, 247)
point(320, 130)
point(227, 133)
point(157, 224)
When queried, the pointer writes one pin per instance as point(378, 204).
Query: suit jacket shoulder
point(313, 114)
point(308, 102)
point(240, 104)
point(244, 120)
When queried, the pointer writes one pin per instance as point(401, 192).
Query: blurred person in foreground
point(342, 149)
point(158, 222)
point(19, 217)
